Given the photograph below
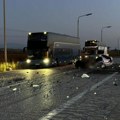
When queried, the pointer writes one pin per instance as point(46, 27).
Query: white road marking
point(62, 107)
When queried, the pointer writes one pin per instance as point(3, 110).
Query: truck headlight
point(80, 57)
point(96, 57)
point(46, 60)
point(28, 61)
point(86, 56)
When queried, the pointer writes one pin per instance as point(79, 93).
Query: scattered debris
point(68, 97)
point(77, 88)
point(114, 83)
point(85, 76)
point(103, 66)
point(14, 89)
point(35, 86)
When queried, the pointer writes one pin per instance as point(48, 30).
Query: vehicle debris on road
point(85, 76)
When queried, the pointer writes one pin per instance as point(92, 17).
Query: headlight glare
point(46, 61)
point(28, 61)
point(86, 56)
point(96, 57)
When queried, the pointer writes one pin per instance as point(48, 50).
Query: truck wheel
point(77, 64)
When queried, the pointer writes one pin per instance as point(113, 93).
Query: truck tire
point(77, 64)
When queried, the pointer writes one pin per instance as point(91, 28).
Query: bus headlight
point(28, 61)
point(46, 60)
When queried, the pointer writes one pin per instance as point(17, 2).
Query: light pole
point(78, 22)
point(78, 36)
point(5, 43)
point(102, 31)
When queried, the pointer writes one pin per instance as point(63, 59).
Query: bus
point(51, 49)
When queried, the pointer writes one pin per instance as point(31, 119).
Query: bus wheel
point(57, 61)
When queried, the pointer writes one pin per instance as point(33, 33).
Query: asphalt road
point(60, 94)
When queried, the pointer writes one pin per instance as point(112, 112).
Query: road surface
point(61, 93)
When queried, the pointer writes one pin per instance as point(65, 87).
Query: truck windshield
point(90, 43)
point(90, 51)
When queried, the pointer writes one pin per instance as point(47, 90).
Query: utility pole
point(5, 43)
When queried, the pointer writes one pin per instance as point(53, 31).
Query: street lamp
point(102, 31)
point(78, 22)
point(78, 26)
point(5, 44)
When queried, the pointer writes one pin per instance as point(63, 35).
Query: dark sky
point(60, 16)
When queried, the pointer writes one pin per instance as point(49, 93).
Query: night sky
point(60, 16)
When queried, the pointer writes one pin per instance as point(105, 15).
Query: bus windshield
point(37, 41)
point(37, 54)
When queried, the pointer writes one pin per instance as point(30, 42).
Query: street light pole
point(102, 31)
point(78, 23)
point(5, 44)
point(78, 36)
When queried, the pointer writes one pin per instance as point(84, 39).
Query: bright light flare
point(46, 60)
point(86, 56)
point(28, 61)
point(29, 33)
point(45, 33)
point(96, 57)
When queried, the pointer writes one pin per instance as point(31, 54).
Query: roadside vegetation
point(13, 57)
point(7, 66)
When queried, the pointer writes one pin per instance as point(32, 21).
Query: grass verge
point(7, 66)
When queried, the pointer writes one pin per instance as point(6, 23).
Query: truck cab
point(91, 52)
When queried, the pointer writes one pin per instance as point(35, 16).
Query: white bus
point(47, 49)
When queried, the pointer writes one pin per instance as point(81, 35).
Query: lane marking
point(62, 107)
